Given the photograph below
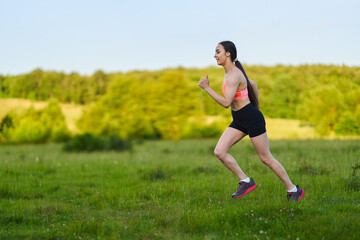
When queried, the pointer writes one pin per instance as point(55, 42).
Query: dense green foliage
point(178, 190)
point(89, 143)
point(169, 104)
point(142, 105)
point(34, 126)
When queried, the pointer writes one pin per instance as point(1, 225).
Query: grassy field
point(178, 190)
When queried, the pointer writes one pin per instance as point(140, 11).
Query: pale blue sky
point(86, 35)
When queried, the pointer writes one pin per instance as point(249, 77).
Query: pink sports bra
point(240, 94)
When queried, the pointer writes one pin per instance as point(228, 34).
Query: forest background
point(168, 104)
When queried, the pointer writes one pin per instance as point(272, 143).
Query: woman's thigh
point(230, 137)
point(261, 145)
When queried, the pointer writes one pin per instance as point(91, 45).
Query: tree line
point(43, 85)
point(168, 104)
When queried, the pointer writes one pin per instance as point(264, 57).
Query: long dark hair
point(230, 47)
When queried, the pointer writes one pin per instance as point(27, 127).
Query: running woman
point(241, 94)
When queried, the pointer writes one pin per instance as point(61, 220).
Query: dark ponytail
point(252, 96)
point(230, 47)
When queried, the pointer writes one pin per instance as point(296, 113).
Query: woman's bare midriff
point(238, 104)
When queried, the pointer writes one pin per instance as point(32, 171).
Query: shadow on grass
point(353, 183)
point(155, 174)
point(306, 168)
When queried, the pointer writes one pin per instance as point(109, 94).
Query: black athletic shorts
point(249, 120)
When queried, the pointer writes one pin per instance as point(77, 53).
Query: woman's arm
point(230, 92)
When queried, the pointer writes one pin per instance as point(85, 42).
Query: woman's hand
point(204, 83)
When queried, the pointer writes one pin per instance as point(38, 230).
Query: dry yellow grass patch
point(276, 128)
point(288, 129)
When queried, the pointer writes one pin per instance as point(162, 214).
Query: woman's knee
point(219, 153)
point(267, 159)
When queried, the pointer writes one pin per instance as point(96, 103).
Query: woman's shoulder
point(239, 75)
point(252, 82)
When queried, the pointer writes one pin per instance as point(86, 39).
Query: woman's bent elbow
point(226, 106)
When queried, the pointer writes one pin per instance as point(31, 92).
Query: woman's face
point(220, 55)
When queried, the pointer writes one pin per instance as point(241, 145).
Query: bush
point(6, 124)
point(30, 131)
point(89, 143)
point(118, 144)
point(35, 126)
point(349, 124)
point(198, 128)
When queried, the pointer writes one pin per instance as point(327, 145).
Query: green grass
point(178, 190)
